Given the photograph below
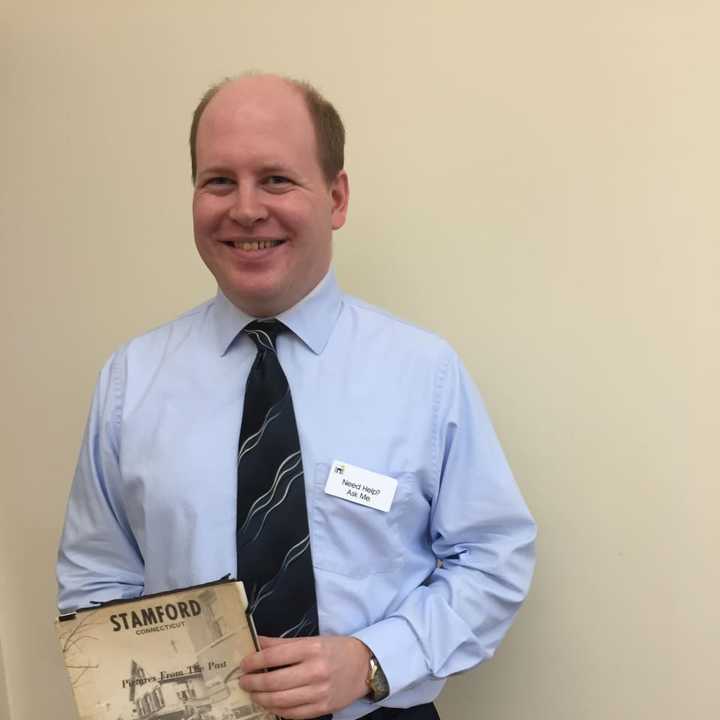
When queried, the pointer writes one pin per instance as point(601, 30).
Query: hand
point(308, 676)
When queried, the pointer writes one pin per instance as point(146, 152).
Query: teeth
point(250, 245)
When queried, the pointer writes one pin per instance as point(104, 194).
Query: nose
point(248, 208)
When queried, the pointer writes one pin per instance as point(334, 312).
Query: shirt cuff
point(398, 651)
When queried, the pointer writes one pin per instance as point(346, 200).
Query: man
point(412, 586)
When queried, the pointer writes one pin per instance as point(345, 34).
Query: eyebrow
point(214, 170)
point(275, 169)
point(268, 169)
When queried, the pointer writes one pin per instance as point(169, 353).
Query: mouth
point(252, 245)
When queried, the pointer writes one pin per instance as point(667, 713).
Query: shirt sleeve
point(98, 558)
point(483, 537)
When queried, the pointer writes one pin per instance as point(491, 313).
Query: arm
point(98, 559)
point(483, 537)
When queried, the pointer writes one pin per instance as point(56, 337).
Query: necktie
point(273, 541)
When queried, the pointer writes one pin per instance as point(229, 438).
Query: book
point(168, 656)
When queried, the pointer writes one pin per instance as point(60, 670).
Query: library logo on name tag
point(361, 486)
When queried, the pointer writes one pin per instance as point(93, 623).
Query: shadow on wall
point(4, 706)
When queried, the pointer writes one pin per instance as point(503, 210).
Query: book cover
point(170, 656)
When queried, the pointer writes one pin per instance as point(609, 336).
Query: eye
point(218, 181)
point(277, 182)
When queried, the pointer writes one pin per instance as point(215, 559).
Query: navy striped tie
point(273, 541)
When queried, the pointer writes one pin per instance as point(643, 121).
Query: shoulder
point(412, 361)
point(170, 334)
point(377, 326)
point(142, 356)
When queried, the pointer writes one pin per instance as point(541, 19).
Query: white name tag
point(361, 486)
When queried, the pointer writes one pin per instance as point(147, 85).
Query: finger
point(275, 680)
point(300, 712)
point(267, 641)
point(280, 701)
point(281, 654)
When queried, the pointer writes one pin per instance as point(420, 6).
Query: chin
point(260, 302)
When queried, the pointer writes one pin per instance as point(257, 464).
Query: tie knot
point(264, 333)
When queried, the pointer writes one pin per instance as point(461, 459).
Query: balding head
point(328, 127)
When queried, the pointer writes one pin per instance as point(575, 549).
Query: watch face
point(379, 688)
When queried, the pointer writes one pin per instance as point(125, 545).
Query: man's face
point(263, 212)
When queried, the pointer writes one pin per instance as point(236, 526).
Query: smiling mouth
point(251, 245)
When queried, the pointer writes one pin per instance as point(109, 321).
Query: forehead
point(256, 118)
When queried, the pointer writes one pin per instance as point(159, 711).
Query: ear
point(340, 196)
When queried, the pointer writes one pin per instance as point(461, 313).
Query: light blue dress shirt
point(430, 586)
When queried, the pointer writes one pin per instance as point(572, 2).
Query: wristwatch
point(376, 681)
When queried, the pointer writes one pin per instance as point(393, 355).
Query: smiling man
point(337, 460)
point(263, 209)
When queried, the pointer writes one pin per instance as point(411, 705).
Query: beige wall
point(4, 708)
point(536, 181)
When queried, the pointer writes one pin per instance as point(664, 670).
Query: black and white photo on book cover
point(172, 656)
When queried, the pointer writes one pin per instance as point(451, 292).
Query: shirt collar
point(312, 319)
